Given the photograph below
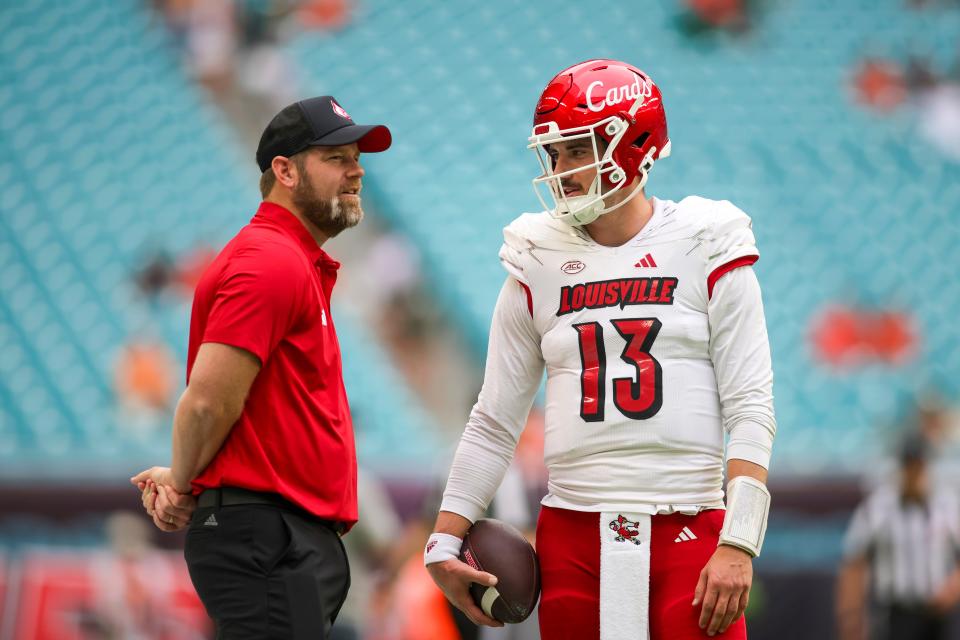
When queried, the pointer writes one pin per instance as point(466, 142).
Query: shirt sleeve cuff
point(232, 340)
point(462, 507)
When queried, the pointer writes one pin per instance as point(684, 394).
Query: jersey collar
point(652, 224)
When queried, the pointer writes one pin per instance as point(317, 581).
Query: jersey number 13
point(639, 397)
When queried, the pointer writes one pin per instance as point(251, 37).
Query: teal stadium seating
point(846, 204)
point(107, 149)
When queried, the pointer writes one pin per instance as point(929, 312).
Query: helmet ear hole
point(638, 143)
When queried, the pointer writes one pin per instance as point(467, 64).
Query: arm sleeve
point(740, 353)
point(513, 373)
point(257, 300)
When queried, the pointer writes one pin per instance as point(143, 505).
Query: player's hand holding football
point(454, 578)
point(724, 588)
point(170, 509)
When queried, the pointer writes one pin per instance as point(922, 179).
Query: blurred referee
point(264, 467)
point(904, 541)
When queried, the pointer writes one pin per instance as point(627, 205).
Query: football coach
point(264, 468)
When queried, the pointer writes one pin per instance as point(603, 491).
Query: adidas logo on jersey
point(646, 261)
point(685, 535)
point(211, 521)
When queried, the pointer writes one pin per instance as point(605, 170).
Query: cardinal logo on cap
point(337, 109)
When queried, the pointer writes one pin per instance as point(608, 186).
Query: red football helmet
point(611, 100)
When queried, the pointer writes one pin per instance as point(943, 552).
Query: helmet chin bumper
point(578, 211)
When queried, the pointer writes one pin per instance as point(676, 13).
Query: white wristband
point(748, 506)
point(441, 547)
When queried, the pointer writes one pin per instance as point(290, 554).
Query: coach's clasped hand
point(170, 508)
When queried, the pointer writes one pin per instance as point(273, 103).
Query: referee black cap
point(319, 121)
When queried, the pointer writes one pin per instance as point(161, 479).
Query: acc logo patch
point(573, 266)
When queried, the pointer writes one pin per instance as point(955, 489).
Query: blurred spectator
point(328, 15)
point(134, 589)
point(925, 4)
point(885, 85)
point(937, 100)
point(879, 84)
point(920, 75)
point(212, 42)
point(904, 542)
point(393, 267)
point(145, 381)
point(397, 303)
point(408, 605)
point(934, 422)
point(525, 479)
point(418, 610)
point(937, 423)
point(939, 117)
point(191, 266)
point(156, 275)
point(846, 335)
point(162, 273)
point(231, 47)
point(369, 547)
point(702, 17)
point(529, 455)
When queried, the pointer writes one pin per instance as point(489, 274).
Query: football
point(498, 548)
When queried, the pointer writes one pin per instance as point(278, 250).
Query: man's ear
point(285, 170)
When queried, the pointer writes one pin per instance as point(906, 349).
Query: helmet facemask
point(584, 209)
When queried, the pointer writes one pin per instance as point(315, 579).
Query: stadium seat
point(108, 150)
point(844, 202)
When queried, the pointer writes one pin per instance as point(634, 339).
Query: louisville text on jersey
point(616, 293)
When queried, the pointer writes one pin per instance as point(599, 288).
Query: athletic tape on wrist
point(441, 547)
point(748, 507)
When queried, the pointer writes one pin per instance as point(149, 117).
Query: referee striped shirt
point(912, 546)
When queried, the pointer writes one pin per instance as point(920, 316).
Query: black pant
point(913, 623)
point(266, 572)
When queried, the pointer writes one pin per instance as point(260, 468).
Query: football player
point(647, 316)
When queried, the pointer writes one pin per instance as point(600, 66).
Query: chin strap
point(748, 507)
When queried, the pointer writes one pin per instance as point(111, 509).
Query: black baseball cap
point(319, 121)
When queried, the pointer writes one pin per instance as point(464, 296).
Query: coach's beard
point(330, 215)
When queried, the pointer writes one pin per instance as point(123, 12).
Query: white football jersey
point(633, 411)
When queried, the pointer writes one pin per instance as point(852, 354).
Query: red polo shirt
point(268, 292)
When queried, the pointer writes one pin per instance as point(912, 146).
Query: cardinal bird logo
point(627, 530)
point(340, 111)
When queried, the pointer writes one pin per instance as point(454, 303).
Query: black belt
point(233, 496)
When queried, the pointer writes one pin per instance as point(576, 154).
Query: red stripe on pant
point(568, 544)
